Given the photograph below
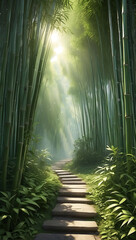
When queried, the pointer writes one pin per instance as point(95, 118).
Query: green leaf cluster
point(114, 193)
point(35, 197)
point(83, 153)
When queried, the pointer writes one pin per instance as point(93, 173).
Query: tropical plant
point(115, 194)
point(19, 212)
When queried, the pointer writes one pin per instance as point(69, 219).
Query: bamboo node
point(125, 64)
point(125, 37)
point(124, 12)
point(127, 94)
point(127, 116)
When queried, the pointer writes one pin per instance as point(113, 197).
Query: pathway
point(73, 216)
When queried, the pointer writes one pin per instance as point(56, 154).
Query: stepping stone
point(51, 236)
point(74, 210)
point(73, 200)
point(70, 225)
point(59, 171)
point(97, 238)
point(68, 176)
point(73, 182)
point(67, 186)
point(71, 179)
point(72, 192)
point(64, 173)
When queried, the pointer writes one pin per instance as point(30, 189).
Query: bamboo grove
point(100, 63)
point(104, 86)
point(25, 30)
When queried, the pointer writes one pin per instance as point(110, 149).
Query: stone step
point(59, 171)
point(72, 192)
point(71, 179)
point(68, 176)
point(70, 226)
point(74, 210)
point(73, 182)
point(64, 173)
point(67, 186)
point(73, 200)
point(54, 236)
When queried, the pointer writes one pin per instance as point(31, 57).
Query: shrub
point(83, 153)
point(115, 195)
point(37, 193)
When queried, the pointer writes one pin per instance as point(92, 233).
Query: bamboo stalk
point(116, 78)
point(127, 79)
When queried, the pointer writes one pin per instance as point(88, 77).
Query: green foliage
point(114, 193)
point(113, 190)
point(83, 154)
point(98, 81)
point(36, 195)
point(24, 52)
point(39, 157)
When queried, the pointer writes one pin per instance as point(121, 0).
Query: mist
point(56, 120)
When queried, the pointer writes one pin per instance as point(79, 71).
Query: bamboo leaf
point(132, 230)
point(16, 210)
point(130, 220)
point(20, 225)
point(112, 205)
point(4, 217)
point(116, 209)
point(124, 222)
point(24, 210)
point(5, 194)
point(124, 235)
point(122, 200)
point(32, 202)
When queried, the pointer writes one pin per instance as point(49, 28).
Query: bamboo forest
point(67, 119)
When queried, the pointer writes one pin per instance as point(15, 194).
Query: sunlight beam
point(54, 59)
point(55, 37)
point(59, 49)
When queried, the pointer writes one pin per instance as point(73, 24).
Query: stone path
point(73, 216)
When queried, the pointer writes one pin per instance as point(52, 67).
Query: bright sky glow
point(55, 37)
point(54, 59)
point(56, 45)
point(58, 50)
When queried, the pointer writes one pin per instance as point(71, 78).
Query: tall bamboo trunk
point(126, 79)
point(117, 80)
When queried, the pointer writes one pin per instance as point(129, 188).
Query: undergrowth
point(112, 187)
point(21, 213)
point(84, 156)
